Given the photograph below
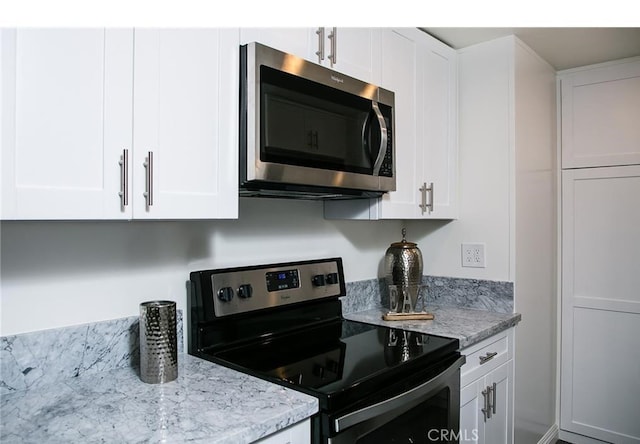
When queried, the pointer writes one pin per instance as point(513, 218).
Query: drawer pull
point(487, 357)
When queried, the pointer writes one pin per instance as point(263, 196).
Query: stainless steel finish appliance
point(283, 323)
point(310, 132)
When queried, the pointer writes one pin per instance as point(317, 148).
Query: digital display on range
point(282, 280)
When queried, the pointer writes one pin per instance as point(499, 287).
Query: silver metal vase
point(158, 342)
point(403, 269)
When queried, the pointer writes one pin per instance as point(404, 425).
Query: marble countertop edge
point(468, 325)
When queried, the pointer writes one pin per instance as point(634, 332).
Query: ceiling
point(563, 48)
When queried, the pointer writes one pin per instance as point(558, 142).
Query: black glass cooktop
point(338, 361)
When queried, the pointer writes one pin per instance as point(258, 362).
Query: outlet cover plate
point(473, 255)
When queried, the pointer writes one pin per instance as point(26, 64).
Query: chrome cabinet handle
point(148, 164)
point(424, 206)
point(486, 411)
point(487, 357)
point(320, 51)
point(124, 178)
point(333, 36)
point(493, 405)
point(383, 139)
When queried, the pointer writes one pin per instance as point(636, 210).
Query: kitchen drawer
point(486, 356)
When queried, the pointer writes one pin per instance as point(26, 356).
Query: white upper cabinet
point(601, 115)
point(66, 119)
point(82, 110)
point(186, 115)
point(351, 51)
point(422, 72)
point(296, 41)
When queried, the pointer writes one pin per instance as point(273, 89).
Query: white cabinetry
point(82, 110)
point(185, 112)
point(600, 115)
point(299, 433)
point(422, 72)
point(600, 394)
point(296, 41)
point(351, 51)
point(486, 396)
point(66, 118)
point(600, 337)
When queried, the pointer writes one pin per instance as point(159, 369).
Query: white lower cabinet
point(299, 433)
point(486, 396)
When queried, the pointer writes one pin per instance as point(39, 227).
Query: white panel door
point(186, 116)
point(472, 421)
point(426, 125)
point(499, 427)
point(399, 73)
point(353, 51)
point(437, 134)
point(66, 119)
point(600, 393)
point(600, 115)
point(302, 42)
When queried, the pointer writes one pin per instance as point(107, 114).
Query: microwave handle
point(383, 139)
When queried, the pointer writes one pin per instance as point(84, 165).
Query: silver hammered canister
point(158, 342)
point(403, 268)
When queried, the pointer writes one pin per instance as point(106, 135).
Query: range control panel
point(245, 289)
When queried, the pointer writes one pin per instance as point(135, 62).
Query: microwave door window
point(300, 127)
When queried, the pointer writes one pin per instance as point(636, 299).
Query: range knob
point(332, 278)
point(245, 291)
point(318, 280)
point(225, 294)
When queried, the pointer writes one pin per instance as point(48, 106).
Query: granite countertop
point(467, 325)
point(207, 403)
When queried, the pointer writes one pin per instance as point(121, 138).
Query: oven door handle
point(397, 401)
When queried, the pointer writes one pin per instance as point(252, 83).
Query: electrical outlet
point(473, 255)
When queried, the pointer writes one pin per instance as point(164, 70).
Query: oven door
point(428, 412)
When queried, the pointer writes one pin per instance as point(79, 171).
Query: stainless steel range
point(283, 323)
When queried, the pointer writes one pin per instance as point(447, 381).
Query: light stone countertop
point(208, 403)
point(467, 325)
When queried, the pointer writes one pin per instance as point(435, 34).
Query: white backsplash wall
point(58, 273)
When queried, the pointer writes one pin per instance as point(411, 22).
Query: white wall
point(56, 274)
point(535, 245)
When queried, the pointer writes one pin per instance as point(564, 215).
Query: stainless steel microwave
point(307, 131)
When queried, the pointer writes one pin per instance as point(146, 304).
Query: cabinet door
point(600, 394)
point(471, 417)
point(302, 42)
point(186, 116)
point(422, 73)
point(401, 50)
point(498, 428)
point(355, 52)
point(600, 115)
point(437, 133)
point(66, 119)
